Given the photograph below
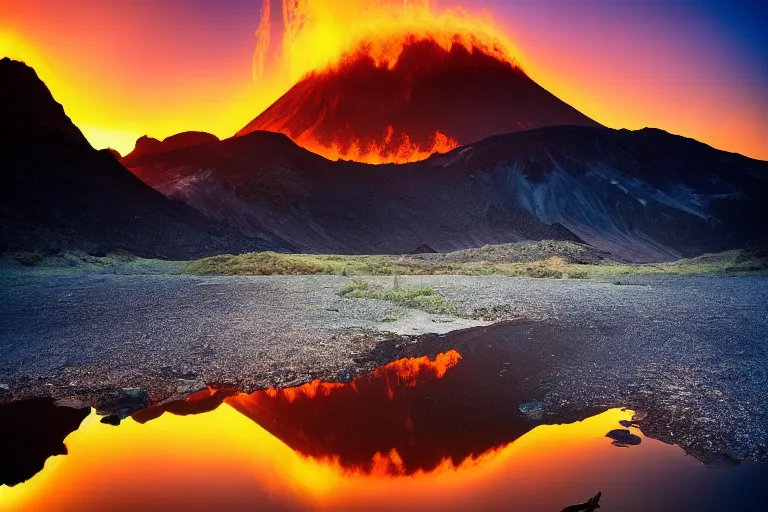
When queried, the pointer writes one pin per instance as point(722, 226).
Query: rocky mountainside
point(57, 192)
point(640, 195)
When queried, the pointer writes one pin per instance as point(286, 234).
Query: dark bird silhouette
point(590, 505)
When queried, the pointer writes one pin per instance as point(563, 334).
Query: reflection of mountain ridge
point(30, 432)
point(425, 419)
point(197, 403)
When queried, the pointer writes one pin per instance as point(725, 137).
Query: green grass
point(28, 258)
point(420, 297)
point(356, 290)
point(745, 261)
point(472, 262)
point(271, 263)
point(424, 298)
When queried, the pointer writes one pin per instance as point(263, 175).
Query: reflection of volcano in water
point(431, 99)
point(411, 415)
point(444, 426)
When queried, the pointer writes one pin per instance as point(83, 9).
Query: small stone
point(623, 437)
point(112, 419)
point(532, 410)
point(188, 387)
point(72, 403)
point(121, 401)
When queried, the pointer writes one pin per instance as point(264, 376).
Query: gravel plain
point(689, 354)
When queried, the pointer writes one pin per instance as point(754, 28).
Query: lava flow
point(397, 84)
point(390, 149)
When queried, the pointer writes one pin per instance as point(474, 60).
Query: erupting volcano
point(400, 100)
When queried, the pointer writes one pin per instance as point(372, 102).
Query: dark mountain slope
point(643, 196)
point(57, 192)
point(264, 182)
point(148, 145)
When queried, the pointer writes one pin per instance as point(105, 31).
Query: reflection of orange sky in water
point(122, 70)
point(222, 460)
point(404, 371)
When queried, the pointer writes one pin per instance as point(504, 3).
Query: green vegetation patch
point(424, 298)
point(357, 290)
point(272, 263)
point(538, 260)
point(420, 297)
point(28, 258)
point(740, 261)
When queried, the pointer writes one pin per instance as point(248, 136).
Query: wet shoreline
point(419, 421)
point(687, 353)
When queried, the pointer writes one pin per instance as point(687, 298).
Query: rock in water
point(623, 437)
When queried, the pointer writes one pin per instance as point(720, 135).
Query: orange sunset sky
point(125, 69)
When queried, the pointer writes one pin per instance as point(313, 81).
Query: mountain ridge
point(146, 145)
point(641, 195)
point(59, 193)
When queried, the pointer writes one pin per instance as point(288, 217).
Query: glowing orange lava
point(314, 38)
point(379, 152)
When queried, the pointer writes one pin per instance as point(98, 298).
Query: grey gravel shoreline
point(689, 353)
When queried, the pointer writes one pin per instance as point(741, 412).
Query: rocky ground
point(689, 353)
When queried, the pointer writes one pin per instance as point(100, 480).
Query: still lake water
point(417, 434)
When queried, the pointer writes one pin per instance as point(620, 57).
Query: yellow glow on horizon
point(114, 107)
point(96, 112)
